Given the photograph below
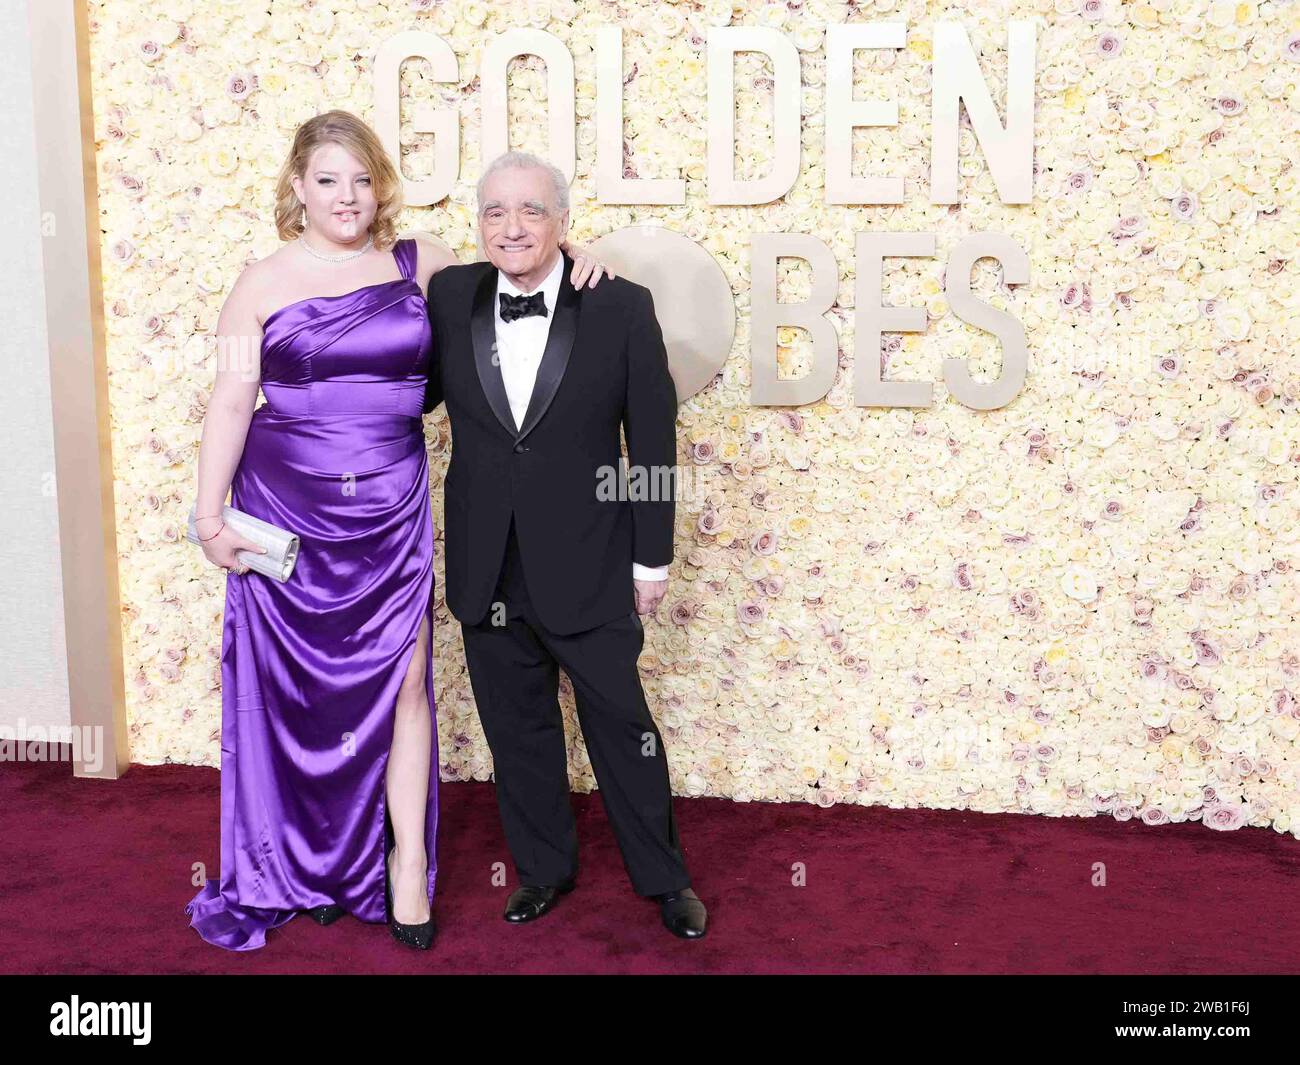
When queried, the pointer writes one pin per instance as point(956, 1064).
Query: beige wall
point(61, 620)
point(33, 659)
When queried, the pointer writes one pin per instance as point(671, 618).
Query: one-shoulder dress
point(310, 669)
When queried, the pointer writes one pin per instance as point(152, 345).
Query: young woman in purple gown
point(328, 732)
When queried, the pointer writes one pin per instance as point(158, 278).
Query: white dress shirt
point(520, 345)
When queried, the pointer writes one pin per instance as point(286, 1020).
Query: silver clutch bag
point(281, 545)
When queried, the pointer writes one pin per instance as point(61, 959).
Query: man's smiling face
point(520, 223)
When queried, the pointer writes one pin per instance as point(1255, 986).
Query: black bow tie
point(513, 307)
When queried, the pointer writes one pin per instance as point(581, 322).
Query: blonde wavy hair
point(346, 130)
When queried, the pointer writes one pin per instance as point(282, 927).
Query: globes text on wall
point(686, 282)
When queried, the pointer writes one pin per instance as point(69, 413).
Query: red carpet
point(96, 875)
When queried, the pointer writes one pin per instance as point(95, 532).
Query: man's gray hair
point(520, 160)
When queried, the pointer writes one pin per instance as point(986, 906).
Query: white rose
point(1079, 583)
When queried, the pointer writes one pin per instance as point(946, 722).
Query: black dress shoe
point(325, 915)
point(683, 913)
point(527, 903)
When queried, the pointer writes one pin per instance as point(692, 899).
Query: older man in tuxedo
point(543, 570)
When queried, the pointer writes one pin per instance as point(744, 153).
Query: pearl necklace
point(337, 258)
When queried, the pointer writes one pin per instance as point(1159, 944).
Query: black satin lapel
point(559, 345)
point(483, 328)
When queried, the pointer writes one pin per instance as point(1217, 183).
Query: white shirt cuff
point(649, 573)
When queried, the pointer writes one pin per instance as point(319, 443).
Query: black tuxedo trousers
point(513, 663)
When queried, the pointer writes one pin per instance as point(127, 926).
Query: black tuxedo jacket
point(604, 366)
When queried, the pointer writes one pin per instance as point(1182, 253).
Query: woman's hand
point(221, 549)
point(585, 265)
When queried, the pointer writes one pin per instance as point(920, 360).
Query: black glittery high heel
point(413, 935)
point(325, 915)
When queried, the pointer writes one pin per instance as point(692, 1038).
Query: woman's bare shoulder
point(431, 256)
point(261, 283)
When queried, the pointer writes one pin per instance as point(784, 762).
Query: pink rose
point(1224, 817)
point(1073, 295)
point(1109, 45)
point(683, 612)
point(1206, 653)
point(238, 86)
point(1183, 206)
point(962, 578)
point(1169, 366)
point(1128, 227)
point(1227, 104)
point(702, 452)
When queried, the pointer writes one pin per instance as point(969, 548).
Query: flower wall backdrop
point(1085, 602)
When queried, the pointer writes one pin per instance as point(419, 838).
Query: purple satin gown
point(310, 669)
